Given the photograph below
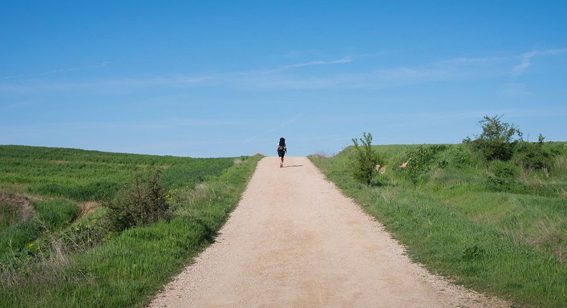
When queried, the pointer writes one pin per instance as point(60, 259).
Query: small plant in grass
point(473, 252)
point(366, 159)
point(497, 140)
point(143, 202)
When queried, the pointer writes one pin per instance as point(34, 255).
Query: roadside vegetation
point(490, 213)
point(85, 228)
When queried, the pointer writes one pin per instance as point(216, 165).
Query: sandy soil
point(296, 241)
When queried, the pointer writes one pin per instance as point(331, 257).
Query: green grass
point(15, 238)
point(56, 213)
point(9, 215)
point(59, 259)
point(91, 175)
point(509, 240)
point(51, 215)
point(58, 179)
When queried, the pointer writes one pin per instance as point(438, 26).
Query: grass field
point(90, 175)
point(504, 233)
point(61, 253)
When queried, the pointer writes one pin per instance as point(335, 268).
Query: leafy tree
point(366, 159)
point(497, 140)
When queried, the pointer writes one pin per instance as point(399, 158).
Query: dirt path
point(296, 241)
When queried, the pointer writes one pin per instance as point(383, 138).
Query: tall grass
point(9, 215)
point(508, 241)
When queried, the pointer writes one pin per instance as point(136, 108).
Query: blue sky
point(227, 78)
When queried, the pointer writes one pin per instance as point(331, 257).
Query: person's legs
point(281, 164)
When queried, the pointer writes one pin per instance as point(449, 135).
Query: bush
point(533, 156)
point(143, 202)
point(419, 161)
point(460, 156)
point(497, 140)
point(366, 159)
point(502, 177)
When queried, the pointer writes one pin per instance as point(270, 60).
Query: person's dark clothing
point(282, 149)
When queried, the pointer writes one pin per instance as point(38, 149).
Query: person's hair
point(282, 141)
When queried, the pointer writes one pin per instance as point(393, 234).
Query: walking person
point(282, 149)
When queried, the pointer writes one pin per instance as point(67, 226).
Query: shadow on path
point(292, 166)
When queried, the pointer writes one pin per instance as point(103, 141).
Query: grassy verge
point(450, 219)
point(129, 268)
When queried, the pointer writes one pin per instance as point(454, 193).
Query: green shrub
point(420, 160)
point(143, 202)
point(460, 156)
point(533, 156)
point(497, 140)
point(504, 169)
point(502, 176)
point(366, 159)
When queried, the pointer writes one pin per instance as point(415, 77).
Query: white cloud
point(298, 76)
point(58, 71)
point(119, 83)
point(450, 69)
point(282, 78)
point(527, 59)
point(344, 60)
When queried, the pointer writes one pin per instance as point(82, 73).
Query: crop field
point(56, 242)
point(490, 225)
point(90, 175)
